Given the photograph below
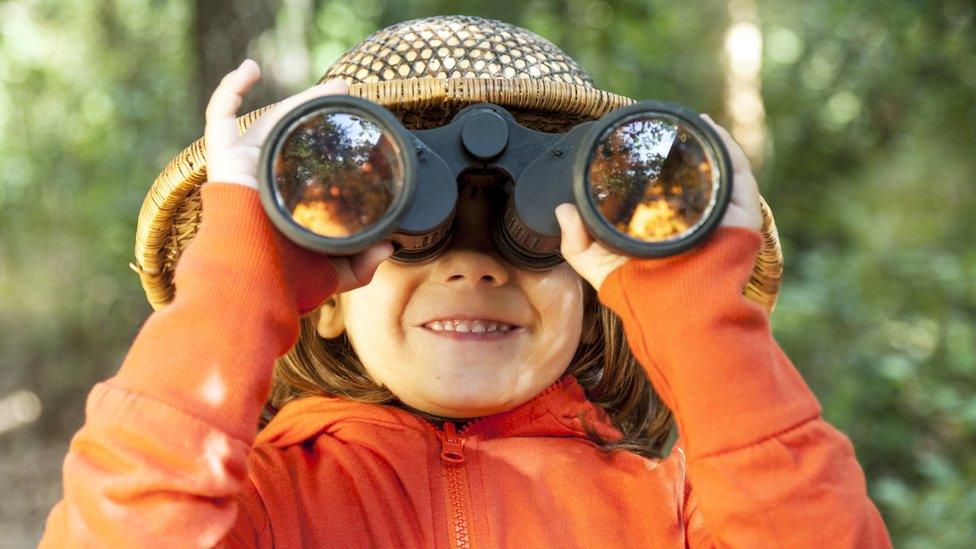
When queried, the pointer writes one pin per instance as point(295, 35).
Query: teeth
point(475, 326)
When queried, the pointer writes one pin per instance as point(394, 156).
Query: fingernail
point(243, 62)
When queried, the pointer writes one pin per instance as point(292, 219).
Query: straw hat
point(423, 70)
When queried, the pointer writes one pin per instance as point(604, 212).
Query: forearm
point(763, 465)
point(240, 290)
point(163, 450)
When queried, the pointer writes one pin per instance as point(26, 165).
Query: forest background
point(859, 117)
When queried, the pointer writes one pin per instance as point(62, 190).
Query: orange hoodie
point(169, 454)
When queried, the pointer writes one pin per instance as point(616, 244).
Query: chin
point(467, 404)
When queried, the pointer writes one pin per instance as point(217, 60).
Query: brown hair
point(608, 372)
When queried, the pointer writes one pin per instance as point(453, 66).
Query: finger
point(745, 192)
point(363, 265)
point(575, 238)
point(221, 114)
point(258, 131)
point(740, 162)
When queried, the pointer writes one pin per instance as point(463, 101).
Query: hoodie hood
point(554, 412)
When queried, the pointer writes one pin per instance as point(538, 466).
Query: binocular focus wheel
point(427, 247)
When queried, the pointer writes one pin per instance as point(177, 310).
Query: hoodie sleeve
point(764, 468)
point(161, 459)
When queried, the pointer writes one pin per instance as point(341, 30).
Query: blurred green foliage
point(870, 117)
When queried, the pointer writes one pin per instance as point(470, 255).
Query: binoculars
point(339, 173)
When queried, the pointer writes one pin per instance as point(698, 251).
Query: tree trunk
point(223, 30)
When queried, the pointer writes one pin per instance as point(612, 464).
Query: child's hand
point(233, 158)
point(744, 209)
point(594, 262)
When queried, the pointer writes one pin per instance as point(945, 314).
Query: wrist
point(245, 180)
point(720, 267)
point(252, 244)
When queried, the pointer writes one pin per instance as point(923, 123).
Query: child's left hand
point(594, 262)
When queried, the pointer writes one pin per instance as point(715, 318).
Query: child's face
point(448, 377)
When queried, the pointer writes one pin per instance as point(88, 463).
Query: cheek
point(373, 313)
point(559, 301)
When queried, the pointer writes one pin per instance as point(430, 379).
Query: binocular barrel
point(338, 174)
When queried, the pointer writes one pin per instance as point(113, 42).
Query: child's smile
point(457, 327)
point(467, 334)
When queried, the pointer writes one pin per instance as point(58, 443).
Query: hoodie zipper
point(456, 481)
point(455, 475)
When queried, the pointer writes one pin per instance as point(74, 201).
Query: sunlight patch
point(214, 389)
point(213, 536)
point(215, 450)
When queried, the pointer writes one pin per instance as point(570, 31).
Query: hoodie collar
point(552, 413)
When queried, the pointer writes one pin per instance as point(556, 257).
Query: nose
point(470, 258)
point(470, 266)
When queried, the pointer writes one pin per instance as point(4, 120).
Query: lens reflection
point(651, 179)
point(337, 173)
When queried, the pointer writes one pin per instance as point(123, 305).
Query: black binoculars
point(339, 173)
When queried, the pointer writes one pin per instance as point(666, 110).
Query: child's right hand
point(233, 158)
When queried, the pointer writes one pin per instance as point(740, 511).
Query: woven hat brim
point(170, 212)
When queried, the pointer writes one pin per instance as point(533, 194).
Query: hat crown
point(455, 46)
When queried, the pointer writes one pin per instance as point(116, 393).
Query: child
point(532, 424)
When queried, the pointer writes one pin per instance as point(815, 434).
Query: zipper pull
point(452, 445)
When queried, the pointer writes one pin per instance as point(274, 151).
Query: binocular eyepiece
point(338, 174)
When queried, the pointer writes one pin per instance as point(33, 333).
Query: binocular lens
point(651, 178)
point(337, 173)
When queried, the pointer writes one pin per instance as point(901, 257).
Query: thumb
point(365, 263)
point(575, 238)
